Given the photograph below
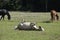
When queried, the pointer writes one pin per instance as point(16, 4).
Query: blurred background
point(30, 5)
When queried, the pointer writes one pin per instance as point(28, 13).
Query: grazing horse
point(4, 12)
point(28, 26)
point(54, 15)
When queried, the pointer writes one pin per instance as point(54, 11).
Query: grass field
point(7, 32)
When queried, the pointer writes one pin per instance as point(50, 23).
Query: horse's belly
point(25, 27)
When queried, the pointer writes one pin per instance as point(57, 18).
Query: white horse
point(28, 26)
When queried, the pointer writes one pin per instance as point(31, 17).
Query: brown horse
point(54, 15)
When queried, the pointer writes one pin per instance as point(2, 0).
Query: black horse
point(4, 12)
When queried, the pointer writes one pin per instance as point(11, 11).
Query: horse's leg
point(9, 17)
point(3, 16)
point(0, 17)
point(57, 17)
point(52, 17)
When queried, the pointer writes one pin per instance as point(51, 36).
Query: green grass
point(7, 32)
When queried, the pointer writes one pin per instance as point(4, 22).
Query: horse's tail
point(57, 16)
point(9, 17)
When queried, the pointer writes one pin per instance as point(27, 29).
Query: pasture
point(52, 30)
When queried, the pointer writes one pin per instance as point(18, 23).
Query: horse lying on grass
point(28, 26)
point(4, 12)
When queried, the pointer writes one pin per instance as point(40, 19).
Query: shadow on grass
point(28, 30)
point(46, 22)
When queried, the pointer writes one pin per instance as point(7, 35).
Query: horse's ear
point(22, 21)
